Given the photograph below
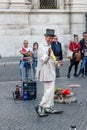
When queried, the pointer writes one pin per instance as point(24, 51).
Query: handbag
point(78, 56)
point(69, 54)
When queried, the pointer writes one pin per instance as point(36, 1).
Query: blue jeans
point(57, 72)
point(34, 66)
point(84, 62)
point(27, 67)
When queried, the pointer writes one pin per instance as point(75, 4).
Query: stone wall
point(18, 23)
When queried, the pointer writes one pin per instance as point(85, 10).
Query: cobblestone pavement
point(9, 69)
point(20, 115)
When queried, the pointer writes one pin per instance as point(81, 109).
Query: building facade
point(28, 19)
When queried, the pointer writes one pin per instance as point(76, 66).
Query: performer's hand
point(60, 63)
point(49, 51)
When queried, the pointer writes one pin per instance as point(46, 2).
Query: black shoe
point(40, 112)
point(75, 75)
point(68, 75)
point(53, 111)
point(78, 76)
point(82, 75)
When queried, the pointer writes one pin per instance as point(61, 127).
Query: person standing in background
point(35, 59)
point(74, 46)
point(82, 44)
point(24, 62)
point(57, 50)
point(84, 60)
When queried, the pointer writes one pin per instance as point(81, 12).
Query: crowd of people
point(79, 56)
point(29, 60)
point(79, 48)
point(45, 59)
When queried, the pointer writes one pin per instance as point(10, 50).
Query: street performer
point(46, 74)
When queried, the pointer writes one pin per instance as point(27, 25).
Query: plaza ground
point(21, 115)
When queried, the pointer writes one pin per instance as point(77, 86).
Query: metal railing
point(48, 4)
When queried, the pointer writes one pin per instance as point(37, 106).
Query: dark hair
point(75, 35)
point(84, 33)
point(35, 43)
point(25, 41)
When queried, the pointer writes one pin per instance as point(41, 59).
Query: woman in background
point(35, 59)
point(74, 46)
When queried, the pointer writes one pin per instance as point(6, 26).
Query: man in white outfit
point(46, 74)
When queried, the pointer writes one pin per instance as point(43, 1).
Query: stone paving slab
point(9, 59)
point(9, 71)
point(20, 115)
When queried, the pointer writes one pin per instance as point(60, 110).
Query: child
point(35, 59)
point(84, 61)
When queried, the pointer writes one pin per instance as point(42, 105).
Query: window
point(48, 4)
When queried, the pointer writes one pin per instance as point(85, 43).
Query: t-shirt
point(57, 49)
point(25, 50)
point(35, 54)
point(85, 52)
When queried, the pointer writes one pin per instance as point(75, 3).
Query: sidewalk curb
point(17, 62)
point(8, 63)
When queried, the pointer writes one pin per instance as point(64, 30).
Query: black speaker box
point(31, 88)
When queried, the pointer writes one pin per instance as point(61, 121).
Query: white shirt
point(27, 50)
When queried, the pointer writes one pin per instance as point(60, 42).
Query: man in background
point(57, 50)
point(82, 44)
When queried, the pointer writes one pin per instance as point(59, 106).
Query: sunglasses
point(26, 43)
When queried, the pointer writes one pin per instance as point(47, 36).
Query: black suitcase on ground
point(31, 88)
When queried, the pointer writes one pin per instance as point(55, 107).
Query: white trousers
point(48, 97)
